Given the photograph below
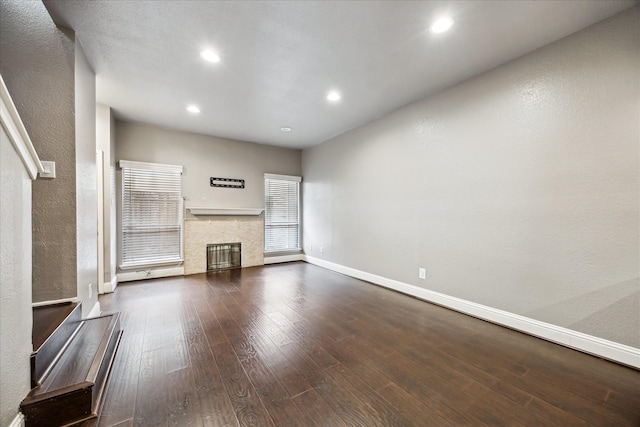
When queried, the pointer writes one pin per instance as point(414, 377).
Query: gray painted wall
point(86, 181)
point(206, 156)
point(517, 189)
point(37, 63)
point(52, 86)
point(15, 280)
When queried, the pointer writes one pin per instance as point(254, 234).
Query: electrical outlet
point(90, 290)
point(422, 273)
point(321, 249)
point(310, 248)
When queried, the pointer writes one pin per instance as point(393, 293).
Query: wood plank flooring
point(296, 345)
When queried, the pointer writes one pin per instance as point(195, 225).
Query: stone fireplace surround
point(201, 230)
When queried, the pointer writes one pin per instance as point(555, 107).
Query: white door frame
point(100, 193)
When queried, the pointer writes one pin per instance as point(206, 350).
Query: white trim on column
point(111, 286)
point(101, 218)
point(18, 421)
point(586, 343)
point(17, 133)
point(95, 311)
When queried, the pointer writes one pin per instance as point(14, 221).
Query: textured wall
point(15, 280)
point(206, 156)
point(203, 231)
point(37, 64)
point(517, 189)
point(86, 181)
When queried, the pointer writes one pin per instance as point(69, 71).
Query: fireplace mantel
point(226, 211)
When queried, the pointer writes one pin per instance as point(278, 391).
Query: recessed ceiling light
point(193, 109)
point(285, 129)
point(333, 96)
point(209, 55)
point(441, 25)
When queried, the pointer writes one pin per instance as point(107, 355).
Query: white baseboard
point(149, 274)
point(55, 301)
point(586, 343)
point(18, 421)
point(95, 311)
point(111, 286)
point(283, 258)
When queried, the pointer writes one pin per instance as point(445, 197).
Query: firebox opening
point(224, 256)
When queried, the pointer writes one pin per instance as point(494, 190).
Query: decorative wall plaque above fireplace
point(226, 182)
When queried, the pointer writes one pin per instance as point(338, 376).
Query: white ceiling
point(280, 58)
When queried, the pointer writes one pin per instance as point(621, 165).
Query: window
point(151, 214)
point(281, 213)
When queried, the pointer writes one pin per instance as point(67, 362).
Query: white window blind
point(151, 214)
point(282, 213)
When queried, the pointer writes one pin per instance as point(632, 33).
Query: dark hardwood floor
point(297, 345)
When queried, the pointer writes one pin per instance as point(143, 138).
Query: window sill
point(151, 265)
point(282, 252)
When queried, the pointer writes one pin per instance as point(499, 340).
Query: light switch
point(49, 170)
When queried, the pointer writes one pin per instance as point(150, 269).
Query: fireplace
point(201, 231)
point(224, 256)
